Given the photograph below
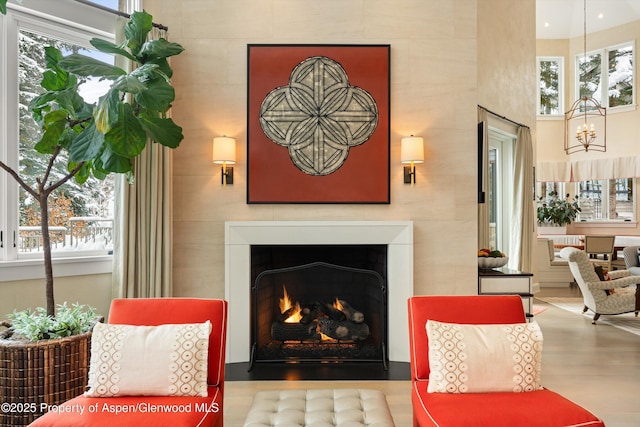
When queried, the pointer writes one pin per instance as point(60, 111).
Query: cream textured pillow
point(484, 358)
point(165, 360)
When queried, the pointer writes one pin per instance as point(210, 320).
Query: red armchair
point(175, 411)
point(496, 409)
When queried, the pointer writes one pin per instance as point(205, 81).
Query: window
point(545, 189)
point(550, 87)
point(81, 217)
point(606, 200)
point(500, 189)
point(610, 82)
point(111, 4)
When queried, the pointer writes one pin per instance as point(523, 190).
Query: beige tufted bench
point(319, 408)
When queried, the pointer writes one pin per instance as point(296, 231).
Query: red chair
point(175, 411)
point(508, 409)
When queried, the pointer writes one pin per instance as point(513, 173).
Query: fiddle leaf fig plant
point(103, 138)
point(556, 210)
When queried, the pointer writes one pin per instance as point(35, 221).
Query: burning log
point(333, 313)
point(287, 313)
point(309, 314)
point(351, 313)
point(343, 330)
point(293, 331)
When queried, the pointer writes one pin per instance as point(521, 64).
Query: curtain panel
point(144, 235)
point(589, 169)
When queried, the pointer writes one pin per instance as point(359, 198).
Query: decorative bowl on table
point(487, 263)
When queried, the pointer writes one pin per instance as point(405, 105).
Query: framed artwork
point(318, 123)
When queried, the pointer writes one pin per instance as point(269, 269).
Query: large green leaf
point(83, 174)
point(52, 57)
point(55, 124)
point(106, 113)
point(70, 100)
point(3, 7)
point(41, 103)
point(109, 47)
point(158, 97)
point(53, 81)
point(87, 145)
point(129, 84)
point(147, 72)
point(86, 66)
point(54, 78)
point(163, 131)
point(163, 67)
point(160, 48)
point(126, 138)
point(111, 162)
point(137, 29)
point(98, 172)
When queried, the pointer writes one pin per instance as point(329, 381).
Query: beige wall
point(436, 68)
point(446, 57)
point(93, 290)
point(506, 66)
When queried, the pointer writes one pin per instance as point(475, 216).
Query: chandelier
point(583, 115)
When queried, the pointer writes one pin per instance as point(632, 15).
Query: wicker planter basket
point(41, 372)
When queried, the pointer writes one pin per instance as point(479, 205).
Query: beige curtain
point(522, 221)
point(143, 242)
point(483, 208)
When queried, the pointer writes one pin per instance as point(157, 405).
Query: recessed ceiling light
point(546, 24)
point(600, 15)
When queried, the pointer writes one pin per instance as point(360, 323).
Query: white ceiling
point(565, 18)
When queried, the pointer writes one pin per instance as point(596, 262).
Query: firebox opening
point(319, 303)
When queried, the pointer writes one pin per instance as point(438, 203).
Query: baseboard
point(555, 285)
point(535, 288)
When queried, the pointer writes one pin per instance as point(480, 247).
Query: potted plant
point(555, 211)
point(93, 140)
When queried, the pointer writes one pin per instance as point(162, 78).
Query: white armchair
point(616, 296)
point(632, 259)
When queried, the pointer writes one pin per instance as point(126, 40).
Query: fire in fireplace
point(319, 312)
point(325, 321)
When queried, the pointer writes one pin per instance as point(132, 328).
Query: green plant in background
point(37, 325)
point(557, 211)
point(103, 138)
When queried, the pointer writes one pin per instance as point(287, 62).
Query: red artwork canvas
point(318, 124)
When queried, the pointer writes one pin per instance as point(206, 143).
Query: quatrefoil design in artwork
point(318, 116)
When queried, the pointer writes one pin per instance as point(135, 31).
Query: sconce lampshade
point(412, 149)
point(224, 150)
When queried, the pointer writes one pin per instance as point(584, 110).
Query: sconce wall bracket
point(227, 177)
point(409, 173)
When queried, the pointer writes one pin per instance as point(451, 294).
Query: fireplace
point(242, 236)
point(319, 303)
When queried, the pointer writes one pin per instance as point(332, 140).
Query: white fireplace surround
point(240, 235)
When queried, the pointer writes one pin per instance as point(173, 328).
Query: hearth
point(319, 303)
point(242, 236)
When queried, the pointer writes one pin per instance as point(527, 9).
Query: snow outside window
point(607, 75)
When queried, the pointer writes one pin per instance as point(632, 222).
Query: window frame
point(561, 73)
point(604, 76)
point(72, 21)
point(605, 205)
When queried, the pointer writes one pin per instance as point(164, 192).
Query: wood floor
point(597, 367)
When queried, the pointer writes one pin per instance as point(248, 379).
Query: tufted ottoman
point(319, 408)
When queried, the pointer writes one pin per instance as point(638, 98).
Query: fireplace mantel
point(240, 235)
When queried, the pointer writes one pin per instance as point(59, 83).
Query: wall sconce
point(411, 151)
point(224, 152)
